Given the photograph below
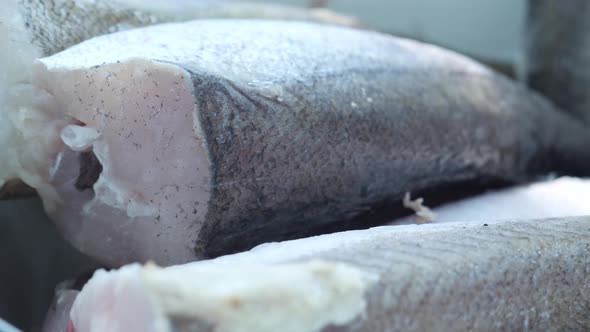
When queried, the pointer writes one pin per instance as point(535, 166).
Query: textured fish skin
point(387, 150)
point(517, 275)
point(558, 39)
point(56, 25)
point(301, 137)
point(15, 189)
point(31, 29)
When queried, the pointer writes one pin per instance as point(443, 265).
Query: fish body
point(557, 57)
point(539, 201)
point(211, 137)
point(448, 277)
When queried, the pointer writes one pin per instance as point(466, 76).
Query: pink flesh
point(154, 187)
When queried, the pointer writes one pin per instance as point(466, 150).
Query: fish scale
point(36, 28)
point(234, 139)
point(505, 284)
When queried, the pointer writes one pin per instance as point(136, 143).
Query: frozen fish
point(551, 198)
point(447, 277)
point(185, 141)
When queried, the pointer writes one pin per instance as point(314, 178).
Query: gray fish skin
point(56, 25)
point(31, 29)
point(328, 162)
point(557, 59)
point(508, 276)
point(305, 129)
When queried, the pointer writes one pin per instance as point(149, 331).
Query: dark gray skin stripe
point(558, 58)
point(312, 163)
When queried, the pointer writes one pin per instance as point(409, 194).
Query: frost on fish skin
point(29, 137)
point(30, 29)
point(290, 297)
point(557, 47)
point(424, 213)
point(124, 171)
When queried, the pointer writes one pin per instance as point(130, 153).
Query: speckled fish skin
point(56, 25)
point(558, 40)
point(330, 161)
point(307, 127)
point(30, 29)
point(58, 316)
point(517, 275)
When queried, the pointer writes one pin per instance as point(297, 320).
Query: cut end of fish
point(406, 278)
point(126, 153)
point(287, 297)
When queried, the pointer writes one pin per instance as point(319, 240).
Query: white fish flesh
point(30, 29)
point(448, 277)
point(184, 141)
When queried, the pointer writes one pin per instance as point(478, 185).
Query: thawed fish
point(183, 141)
point(449, 277)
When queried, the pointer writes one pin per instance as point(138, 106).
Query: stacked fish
point(169, 143)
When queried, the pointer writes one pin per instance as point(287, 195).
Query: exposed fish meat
point(558, 57)
point(210, 139)
point(448, 277)
point(30, 29)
